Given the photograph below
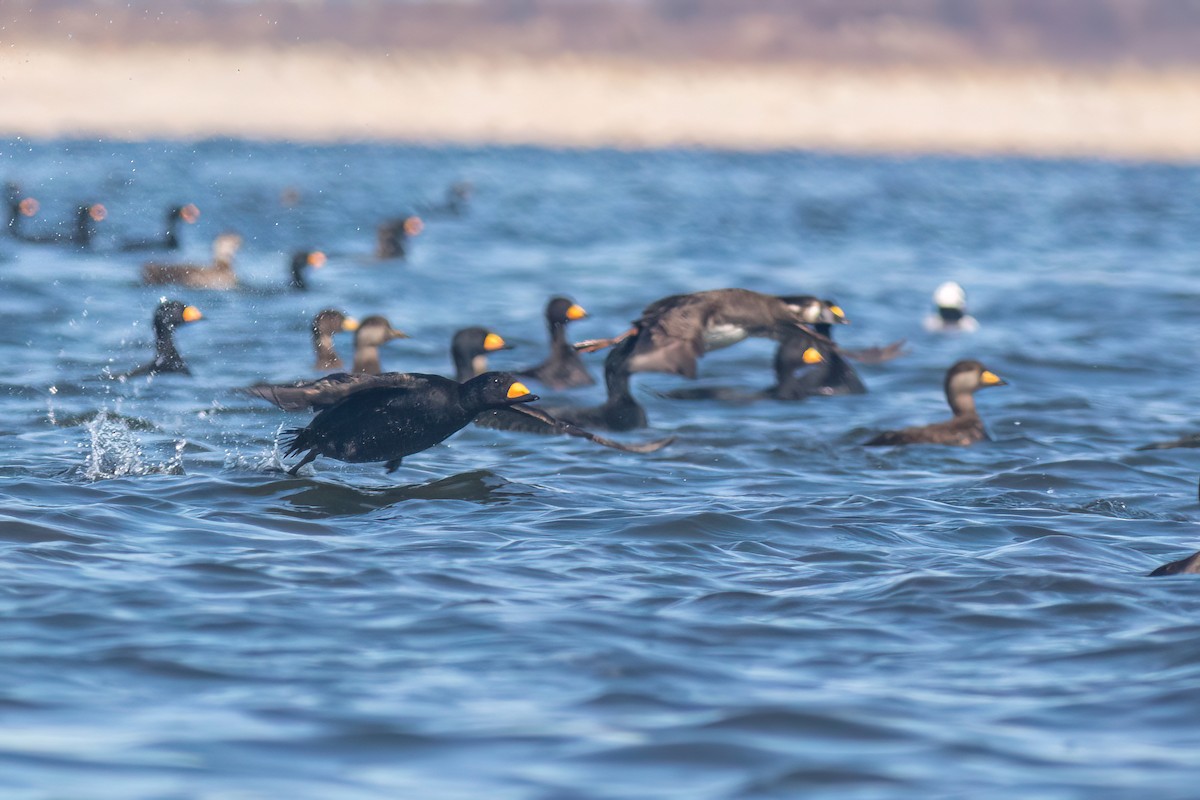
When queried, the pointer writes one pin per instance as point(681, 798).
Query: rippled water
point(763, 609)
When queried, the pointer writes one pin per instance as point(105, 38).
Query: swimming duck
point(392, 236)
point(301, 261)
point(674, 332)
point(804, 367)
point(564, 368)
point(1184, 566)
point(219, 275)
point(1192, 440)
point(865, 355)
point(965, 428)
point(458, 196)
point(170, 240)
point(169, 315)
point(388, 424)
point(374, 332)
point(324, 325)
point(619, 412)
point(950, 304)
point(79, 237)
point(469, 349)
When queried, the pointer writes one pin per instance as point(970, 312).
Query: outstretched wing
point(325, 392)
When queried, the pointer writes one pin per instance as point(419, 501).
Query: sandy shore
point(319, 94)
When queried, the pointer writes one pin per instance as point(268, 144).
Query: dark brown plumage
point(469, 349)
point(965, 428)
point(1184, 566)
point(218, 275)
point(804, 366)
point(619, 412)
point(324, 325)
point(563, 369)
point(674, 332)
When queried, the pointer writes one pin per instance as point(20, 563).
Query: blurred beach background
point(1109, 78)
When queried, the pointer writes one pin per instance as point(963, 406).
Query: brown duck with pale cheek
point(218, 275)
point(324, 326)
point(374, 332)
point(965, 428)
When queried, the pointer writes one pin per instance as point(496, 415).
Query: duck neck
point(83, 228)
point(298, 265)
point(171, 240)
point(165, 354)
point(366, 360)
point(327, 357)
point(467, 366)
point(616, 375)
point(962, 403)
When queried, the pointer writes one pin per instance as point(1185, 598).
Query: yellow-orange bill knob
point(837, 312)
point(97, 212)
point(191, 314)
point(413, 226)
point(990, 378)
point(812, 356)
point(316, 259)
point(517, 390)
point(29, 206)
point(189, 213)
point(576, 312)
point(493, 342)
point(349, 324)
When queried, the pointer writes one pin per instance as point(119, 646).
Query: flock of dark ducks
point(367, 414)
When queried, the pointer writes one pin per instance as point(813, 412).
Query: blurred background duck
point(218, 275)
point(80, 235)
point(391, 237)
point(950, 311)
point(169, 240)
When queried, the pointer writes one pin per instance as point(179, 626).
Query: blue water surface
point(764, 609)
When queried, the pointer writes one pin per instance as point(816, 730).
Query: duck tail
point(295, 440)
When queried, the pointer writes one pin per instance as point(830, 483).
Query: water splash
point(114, 450)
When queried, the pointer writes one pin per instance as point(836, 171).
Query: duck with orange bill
point(804, 367)
point(302, 260)
point(324, 325)
point(169, 315)
point(469, 349)
point(965, 427)
point(169, 240)
point(388, 424)
point(563, 369)
point(673, 333)
point(79, 236)
point(392, 236)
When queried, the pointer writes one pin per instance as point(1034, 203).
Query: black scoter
point(169, 315)
point(965, 428)
point(391, 237)
point(387, 424)
point(564, 368)
point(301, 261)
point(469, 348)
point(188, 213)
